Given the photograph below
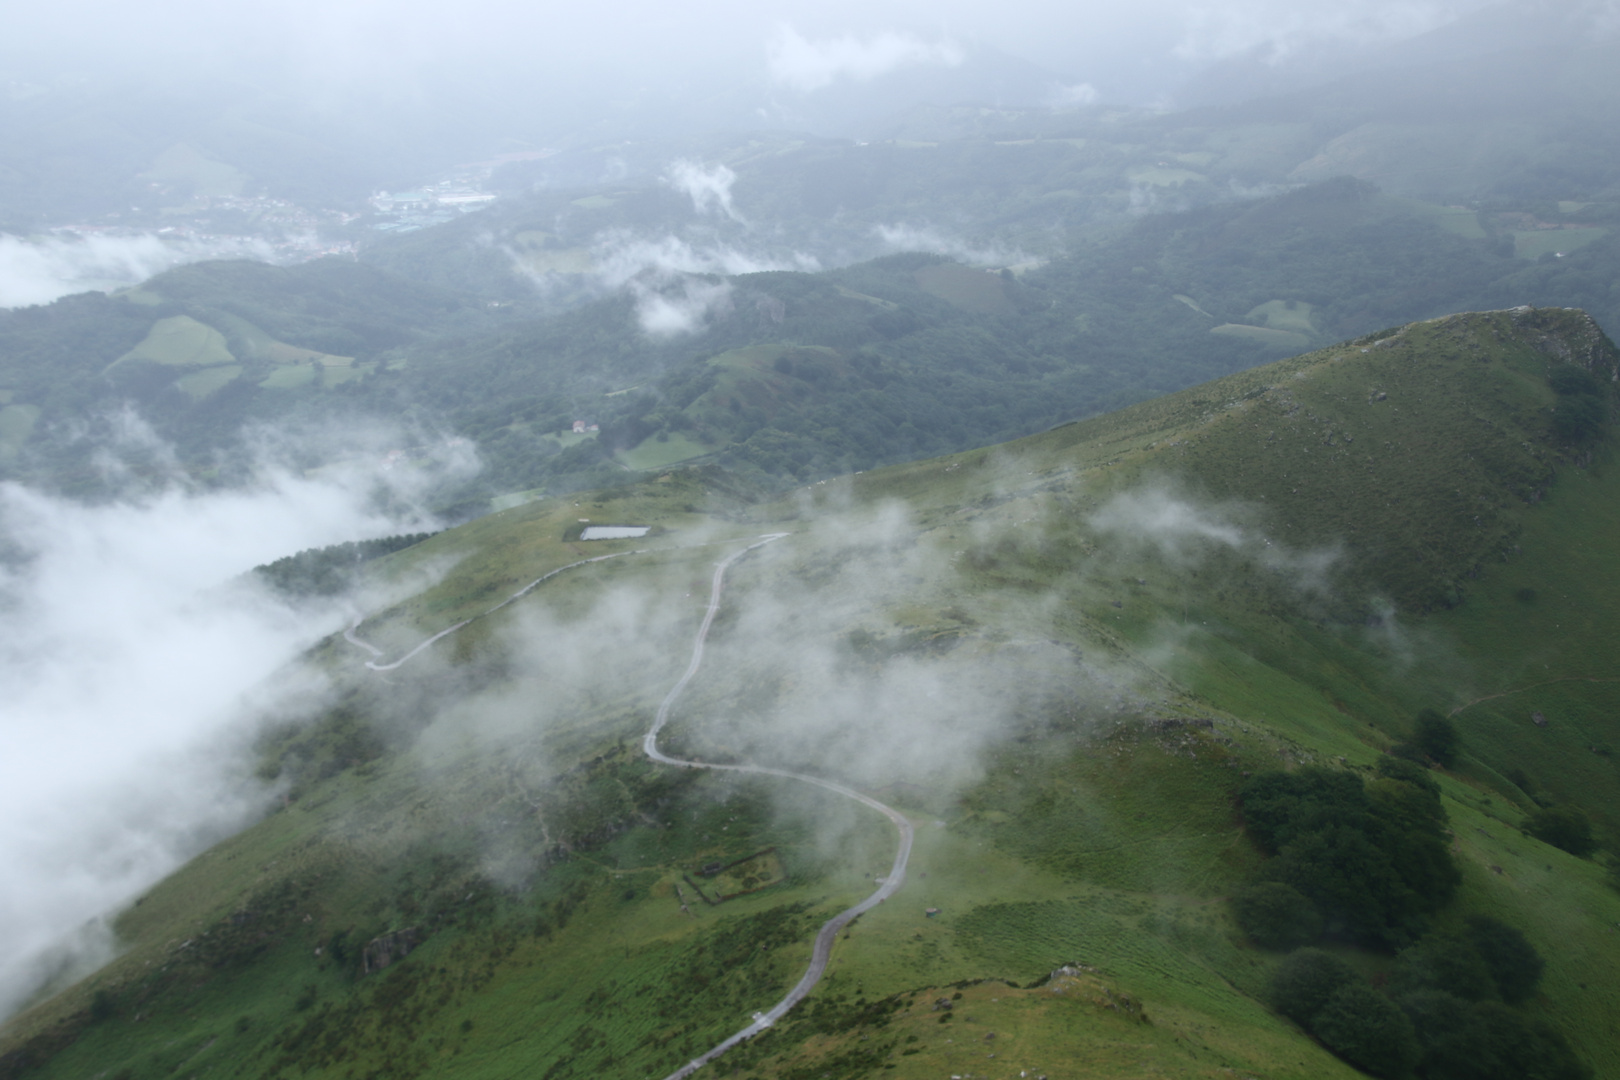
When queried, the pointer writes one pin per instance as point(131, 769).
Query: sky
point(1135, 52)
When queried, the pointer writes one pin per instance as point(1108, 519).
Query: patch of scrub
point(180, 341)
point(1291, 315)
point(16, 424)
point(209, 381)
point(1534, 243)
point(614, 532)
point(1262, 335)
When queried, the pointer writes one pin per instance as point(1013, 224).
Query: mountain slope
point(1059, 657)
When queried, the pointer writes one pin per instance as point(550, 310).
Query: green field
point(1263, 335)
point(1456, 220)
point(1534, 243)
point(200, 384)
point(1292, 316)
point(291, 377)
point(656, 453)
point(181, 341)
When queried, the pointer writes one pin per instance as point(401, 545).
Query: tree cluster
point(329, 571)
point(1361, 861)
point(1447, 1014)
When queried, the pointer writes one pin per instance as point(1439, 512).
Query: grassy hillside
point(1062, 658)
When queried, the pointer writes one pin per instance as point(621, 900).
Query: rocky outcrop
point(388, 948)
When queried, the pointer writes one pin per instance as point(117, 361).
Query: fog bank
point(134, 681)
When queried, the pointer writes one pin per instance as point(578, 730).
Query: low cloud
point(672, 279)
point(1185, 531)
point(37, 271)
point(801, 64)
point(708, 186)
point(135, 682)
point(925, 238)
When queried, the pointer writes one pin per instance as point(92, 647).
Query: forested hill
point(786, 376)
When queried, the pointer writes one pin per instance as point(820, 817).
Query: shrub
point(1563, 827)
point(1372, 858)
point(1408, 772)
point(1279, 807)
point(1522, 1050)
point(1277, 916)
point(1436, 736)
point(1451, 1036)
point(1450, 964)
point(1304, 981)
point(1514, 964)
point(1366, 1029)
point(1577, 418)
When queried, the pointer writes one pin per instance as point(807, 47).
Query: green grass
point(1263, 335)
point(200, 384)
point(1453, 219)
point(1534, 243)
point(1293, 316)
point(291, 377)
point(655, 453)
point(181, 341)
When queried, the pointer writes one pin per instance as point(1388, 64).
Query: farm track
point(821, 951)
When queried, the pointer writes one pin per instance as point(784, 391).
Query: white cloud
point(1184, 531)
point(667, 277)
point(925, 238)
point(802, 64)
point(132, 683)
point(39, 271)
point(664, 313)
point(709, 187)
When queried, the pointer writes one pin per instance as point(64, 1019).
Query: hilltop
point(1062, 658)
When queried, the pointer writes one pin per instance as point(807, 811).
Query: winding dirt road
point(349, 636)
point(822, 950)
